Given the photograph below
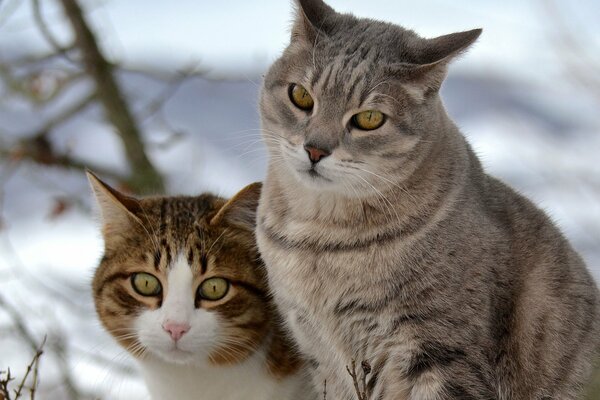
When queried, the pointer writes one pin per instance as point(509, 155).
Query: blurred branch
point(172, 86)
point(64, 116)
point(40, 150)
point(7, 9)
point(39, 85)
point(144, 176)
point(580, 66)
point(20, 325)
point(43, 27)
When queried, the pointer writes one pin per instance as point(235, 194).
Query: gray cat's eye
point(368, 120)
point(300, 97)
point(146, 284)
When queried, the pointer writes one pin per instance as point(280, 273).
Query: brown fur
point(218, 241)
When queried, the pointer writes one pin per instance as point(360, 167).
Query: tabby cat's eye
point(146, 284)
point(368, 120)
point(300, 97)
point(213, 289)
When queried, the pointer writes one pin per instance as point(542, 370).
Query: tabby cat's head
point(353, 103)
point(181, 278)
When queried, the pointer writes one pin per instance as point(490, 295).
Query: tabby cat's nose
point(315, 154)
point(176, 330)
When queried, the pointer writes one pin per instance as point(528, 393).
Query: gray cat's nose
point(315, 154)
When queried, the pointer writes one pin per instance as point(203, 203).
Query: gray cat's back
point(556, 328)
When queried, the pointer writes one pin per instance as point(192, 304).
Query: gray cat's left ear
point(119, 212)
point(435, 56)
point(240, 210)
point(313, 18)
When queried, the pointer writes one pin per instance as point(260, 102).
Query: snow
point(529, 124)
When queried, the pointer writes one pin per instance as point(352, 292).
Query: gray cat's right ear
point(118, 211)
point(436, 54)
point(313, 18)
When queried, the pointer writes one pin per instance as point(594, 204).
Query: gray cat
point(385, 241)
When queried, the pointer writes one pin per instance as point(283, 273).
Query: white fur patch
point(178, 306)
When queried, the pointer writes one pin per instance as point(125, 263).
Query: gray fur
point(398, 249)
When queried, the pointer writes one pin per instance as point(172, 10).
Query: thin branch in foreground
point(361, 392)
point(57, 346)
point(5, 379)
point(32, 369)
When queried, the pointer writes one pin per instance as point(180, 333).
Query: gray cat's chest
point(311, 288)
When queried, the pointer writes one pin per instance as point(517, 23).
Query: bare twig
point(4, 382)
point(144, 176)
point(19, 323)
point(172, 86)
point(45, 31)
point(36, 368)
point(580, 66)
point(29, 338)
point(58, 347)
point(361, 392)
point(32, 367)
point(64, 116)
point(40, 150)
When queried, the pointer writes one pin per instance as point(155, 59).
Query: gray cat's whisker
point(389, 182)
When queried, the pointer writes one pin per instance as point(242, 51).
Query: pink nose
point(175, 329)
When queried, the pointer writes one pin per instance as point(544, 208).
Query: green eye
point(146, 284)
point(368, 120)
point(213, 289)
point(300, 97)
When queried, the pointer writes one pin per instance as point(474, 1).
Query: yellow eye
point(368, 120)
point(213, 289)
point(300, 97)
point(146, 284)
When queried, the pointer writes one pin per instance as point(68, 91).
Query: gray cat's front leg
point(434, 372)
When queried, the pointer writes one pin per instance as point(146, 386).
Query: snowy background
point(527, 96)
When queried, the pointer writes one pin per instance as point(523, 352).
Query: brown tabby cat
point(182, 288)
point(385, 240)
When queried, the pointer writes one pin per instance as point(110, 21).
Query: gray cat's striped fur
point(397, 248)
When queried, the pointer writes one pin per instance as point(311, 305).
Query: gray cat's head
point(352, 105)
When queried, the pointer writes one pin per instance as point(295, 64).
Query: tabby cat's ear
point(435, 56)
point(313, 18)
point(240, 211)
point(118, 211)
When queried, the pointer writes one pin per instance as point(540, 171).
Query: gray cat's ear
point(118, 211)
point(435, 56)
point(313, 18)
point(240, 210)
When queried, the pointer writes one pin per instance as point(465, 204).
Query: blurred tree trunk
point(144, 177)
